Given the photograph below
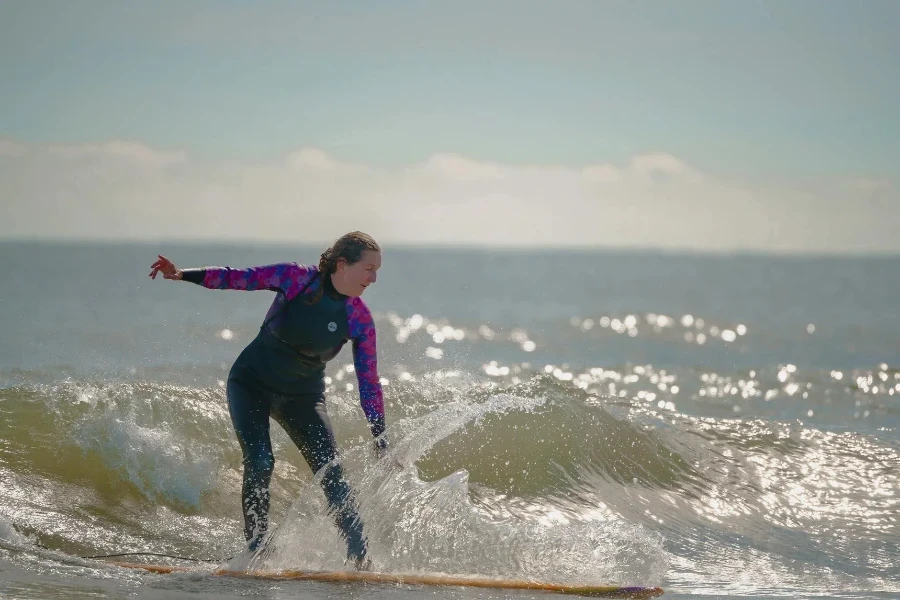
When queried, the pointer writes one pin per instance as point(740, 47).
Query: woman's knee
point(259, 462)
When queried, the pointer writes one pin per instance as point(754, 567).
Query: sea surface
point(718, 425)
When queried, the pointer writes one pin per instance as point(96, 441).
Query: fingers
point(163, 262)
point(164, 265)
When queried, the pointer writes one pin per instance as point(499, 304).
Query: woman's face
point(352, 280)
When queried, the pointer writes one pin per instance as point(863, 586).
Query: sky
point(703, 125)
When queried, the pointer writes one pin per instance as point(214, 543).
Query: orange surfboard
point(591, 591)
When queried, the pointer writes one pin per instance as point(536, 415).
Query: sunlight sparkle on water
point(494, 370)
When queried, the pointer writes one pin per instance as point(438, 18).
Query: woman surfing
point(281, 373)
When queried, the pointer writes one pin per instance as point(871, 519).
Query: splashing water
point(433, 526)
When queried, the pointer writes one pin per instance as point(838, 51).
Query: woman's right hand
point(166, 267)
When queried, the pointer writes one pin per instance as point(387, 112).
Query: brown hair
point(350, 247)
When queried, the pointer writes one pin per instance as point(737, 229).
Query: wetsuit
point(281, 374)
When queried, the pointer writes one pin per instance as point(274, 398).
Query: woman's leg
point(306, 421)
point(249, 408)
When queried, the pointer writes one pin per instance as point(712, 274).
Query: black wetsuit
point(280, 374)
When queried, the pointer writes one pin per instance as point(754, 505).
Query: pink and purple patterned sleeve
point(285, 277)
point(365, 361)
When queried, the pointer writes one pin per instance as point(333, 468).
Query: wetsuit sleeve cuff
point(193, 275)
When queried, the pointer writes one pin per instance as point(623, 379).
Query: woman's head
point(352, 262)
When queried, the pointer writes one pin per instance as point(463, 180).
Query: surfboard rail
point(591, 591)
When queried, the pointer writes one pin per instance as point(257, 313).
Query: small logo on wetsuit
point(332, 327)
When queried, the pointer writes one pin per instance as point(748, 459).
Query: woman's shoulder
point(358, 303)
point(297, 271)
point(299, 267)
point(286, 269)
point(308, 270)
point(358, 311)
point(292, 277)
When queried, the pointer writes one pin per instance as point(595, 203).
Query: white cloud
point(463, 169)
point(118, 150)
point(869, 186)
point(657, 165)
point(8, 148)
point(312, 157)
point(127, 190)
point(601, 173)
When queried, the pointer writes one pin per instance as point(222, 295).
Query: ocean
point(718, 425)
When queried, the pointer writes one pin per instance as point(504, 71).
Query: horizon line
point(461, 246)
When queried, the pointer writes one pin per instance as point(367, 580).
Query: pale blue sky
point(701, 124)
point(750, 89)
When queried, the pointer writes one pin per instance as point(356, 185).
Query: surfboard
point(591, 591)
